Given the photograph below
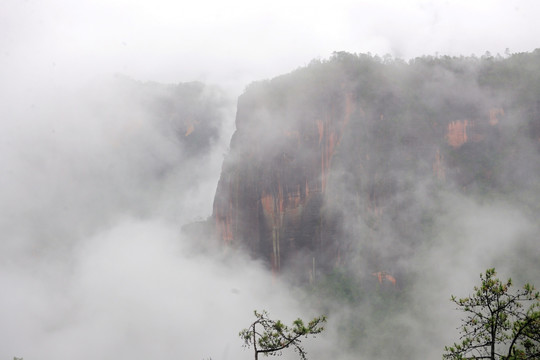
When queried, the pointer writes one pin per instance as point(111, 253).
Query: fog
point(96, 186)
point(382, 187)
point(93, 262)
point(237, 42)
point(132, 292)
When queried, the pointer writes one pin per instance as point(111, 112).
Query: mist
point(389, 204)
point(115, 121)
point(97, 187)
point(132, 291)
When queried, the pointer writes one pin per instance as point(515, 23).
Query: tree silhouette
point(270, 337)
point(498, 324)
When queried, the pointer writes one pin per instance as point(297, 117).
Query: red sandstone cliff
point(325, 164)
point(270, 193)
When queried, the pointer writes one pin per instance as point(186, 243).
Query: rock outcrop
point(271, 191)
point(327, 163)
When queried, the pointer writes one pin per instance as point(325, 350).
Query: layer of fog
point(134, 291)
point(93, 261)
point(237, 42)
point(472, 237)
point(470, 233)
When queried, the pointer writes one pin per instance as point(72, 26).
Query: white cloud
point(157, 300)
point(237, 42)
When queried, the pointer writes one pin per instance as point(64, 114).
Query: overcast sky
point(235, 42)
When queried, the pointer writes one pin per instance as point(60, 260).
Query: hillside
point(346, 160)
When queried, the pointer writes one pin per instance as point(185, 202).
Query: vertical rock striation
point(344, 158)
point(271, 190)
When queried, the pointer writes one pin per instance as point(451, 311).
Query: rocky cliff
point(342, 161)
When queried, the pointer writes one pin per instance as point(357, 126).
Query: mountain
point(346, 160)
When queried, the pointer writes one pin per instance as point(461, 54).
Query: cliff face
point(271, 191)
point(327, 162)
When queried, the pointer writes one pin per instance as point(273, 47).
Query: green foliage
point(276, 336)
point(338, 286)
point(498, 324)
point(370, 308)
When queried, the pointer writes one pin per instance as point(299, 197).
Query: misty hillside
point(368, 189)
point(345, 160)
point(169, 167)
point(358, 166)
